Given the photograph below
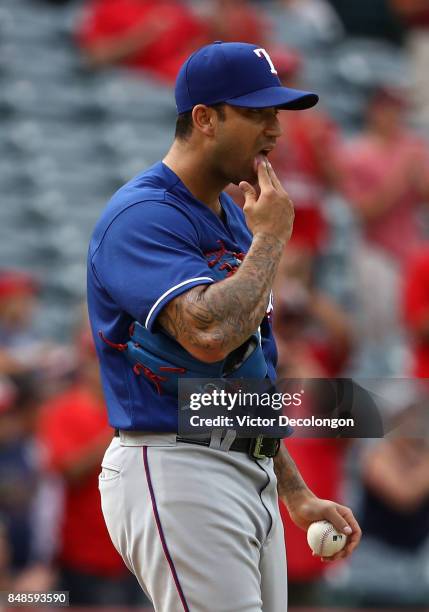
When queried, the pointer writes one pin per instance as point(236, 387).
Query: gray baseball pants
point(199, 527)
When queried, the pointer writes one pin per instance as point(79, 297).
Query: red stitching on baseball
point(327, 531)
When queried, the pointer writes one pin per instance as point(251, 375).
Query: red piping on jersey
point(116, 345)
point(171, 369)
point(139, 368)
point(218, 256)
point(231, 269)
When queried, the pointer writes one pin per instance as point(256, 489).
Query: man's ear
point(205, 119)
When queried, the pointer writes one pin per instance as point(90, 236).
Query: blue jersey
point(154, 241)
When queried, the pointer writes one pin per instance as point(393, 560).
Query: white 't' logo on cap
point(263, 53)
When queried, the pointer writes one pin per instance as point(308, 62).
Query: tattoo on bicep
point(224, 314)
point(182, 318)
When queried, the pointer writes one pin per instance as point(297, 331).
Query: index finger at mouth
point(264, 178)
point(273, 176)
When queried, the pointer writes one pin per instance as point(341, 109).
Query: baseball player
point(179, 282)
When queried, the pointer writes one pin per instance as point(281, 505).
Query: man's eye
point(264, 111)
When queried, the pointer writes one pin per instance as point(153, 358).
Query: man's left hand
point(309, 508)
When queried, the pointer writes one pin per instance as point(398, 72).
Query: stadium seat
point(365, 63)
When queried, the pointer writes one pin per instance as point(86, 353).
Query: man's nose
point(273, 129)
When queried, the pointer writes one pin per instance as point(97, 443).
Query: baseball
point(324, 540)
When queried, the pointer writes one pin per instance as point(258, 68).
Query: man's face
point(244, 134)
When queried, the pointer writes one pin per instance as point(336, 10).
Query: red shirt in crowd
point(416, 308)
point(236, 21)
point(70, 424)
point(368, 165)
point(179, 32)
point(308, 140)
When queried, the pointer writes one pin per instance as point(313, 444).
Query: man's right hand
point(272, 212)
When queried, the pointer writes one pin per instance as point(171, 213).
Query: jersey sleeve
point(149, 255)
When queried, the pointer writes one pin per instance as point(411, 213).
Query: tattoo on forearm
point(223, 315)
point(289, 480)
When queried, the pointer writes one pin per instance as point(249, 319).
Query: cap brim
point(283, 98)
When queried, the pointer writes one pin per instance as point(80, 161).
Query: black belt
point(257, 448)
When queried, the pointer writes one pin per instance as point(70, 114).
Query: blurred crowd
point(361, 198)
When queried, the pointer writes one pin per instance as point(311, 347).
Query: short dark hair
point(185, 125)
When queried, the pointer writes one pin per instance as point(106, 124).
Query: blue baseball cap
point(239, 74)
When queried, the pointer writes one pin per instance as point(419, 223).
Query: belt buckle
point(256, 448)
